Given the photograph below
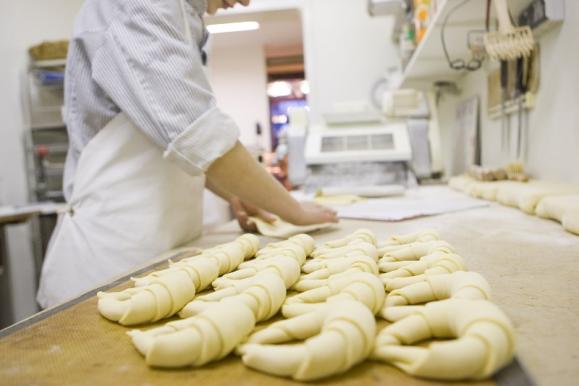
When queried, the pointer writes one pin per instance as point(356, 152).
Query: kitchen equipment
point(408, 103)
point(296, 143)
point(418, 132)
point(508, 42)
point(504, 98)
point(364, 154)
point(418, 110)
point(543, 15)
point(527, 99)
point(358, 143)
point(521, 89)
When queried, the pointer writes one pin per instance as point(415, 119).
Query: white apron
point(128, 205)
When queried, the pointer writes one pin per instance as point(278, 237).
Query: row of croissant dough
point(415, 281)
point(555, 201)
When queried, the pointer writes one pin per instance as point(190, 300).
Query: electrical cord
point(457, 64)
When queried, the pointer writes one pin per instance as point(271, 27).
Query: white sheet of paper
point(424, 201)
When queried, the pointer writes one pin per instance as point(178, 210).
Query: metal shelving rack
point(45, 145)
point(428, 63)
point(45, 137)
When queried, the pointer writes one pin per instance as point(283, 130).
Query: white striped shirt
point(135, 56)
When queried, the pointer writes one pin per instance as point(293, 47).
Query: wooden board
point(73, 345)
point(10, 219)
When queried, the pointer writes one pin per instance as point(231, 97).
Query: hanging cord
point(457, 64)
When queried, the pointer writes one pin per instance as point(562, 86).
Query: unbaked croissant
point(339, 336)
point(302, 241)
point(353, 249)
point(292, 250)
point(321, 269)
point(286, 267)
point(361, 235)
point(266, 307)
point(361, 286)
point(483, 340)
point(422, 236)
point(215, 331)
point(414, 251)
point(434, 264)
point(456, 285)
point(392, 266)
point(283, 258)
point(163, 293)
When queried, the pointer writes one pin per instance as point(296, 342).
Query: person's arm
point(221, 193)
point(239, 174)
point(242, 211)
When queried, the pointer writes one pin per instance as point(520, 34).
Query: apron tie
point(68, 209)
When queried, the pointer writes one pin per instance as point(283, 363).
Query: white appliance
point(296, 142)
point(353, 147)
point(418, 110)
point(357, 146)
point(376, 142)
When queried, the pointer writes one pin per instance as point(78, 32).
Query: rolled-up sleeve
point(153, 73)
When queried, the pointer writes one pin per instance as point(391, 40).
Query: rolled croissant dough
point(546, 199)
point(564, 209)
point(281, 229)
point(483, 340)
point(335, 313)
point(339, 337)
point(162, 293)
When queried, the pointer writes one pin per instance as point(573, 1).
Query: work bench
point(532, 266)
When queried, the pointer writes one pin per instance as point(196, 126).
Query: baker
point(146, 138)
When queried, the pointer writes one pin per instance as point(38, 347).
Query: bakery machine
point(362, 149)
point(357, 154)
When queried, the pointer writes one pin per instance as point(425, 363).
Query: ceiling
point(280, 31)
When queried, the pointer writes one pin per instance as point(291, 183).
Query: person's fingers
point(248, 227)
point(229, 3)
point(330, 214)
point(324, 208)
point(245, 222)
point(331, 217)
point(244, 2)
point(241, 215)
point(266, 216)
point(213, 6)
point(253, 210)
point(329, 210)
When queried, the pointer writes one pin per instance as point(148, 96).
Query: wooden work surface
point(530, 263)
point(16, 218)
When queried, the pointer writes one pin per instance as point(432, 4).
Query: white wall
point(237, 72)
point(22, 23)
point(553, 147)
point(346, 51)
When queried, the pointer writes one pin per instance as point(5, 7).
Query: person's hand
point(312, 213)
point(214, 5)
point(242, 211)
